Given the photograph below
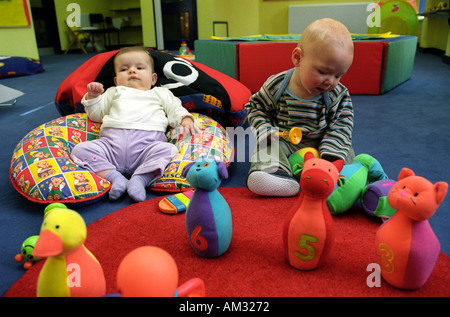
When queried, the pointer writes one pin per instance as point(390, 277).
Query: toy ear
point(441, 190)
point(339, 164)
point(223, 172)
point(341, 180)
point(309, 155)
point(186, 169)
point(405, 172)
point(297, 169)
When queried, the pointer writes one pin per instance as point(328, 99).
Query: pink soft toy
point(407, 248)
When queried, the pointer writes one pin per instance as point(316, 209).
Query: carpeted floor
point(254, 264)
point(407, 127)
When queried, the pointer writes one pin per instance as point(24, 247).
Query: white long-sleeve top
point(129, 108)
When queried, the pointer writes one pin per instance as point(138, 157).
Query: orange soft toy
point(308, 230)
point(407, 248)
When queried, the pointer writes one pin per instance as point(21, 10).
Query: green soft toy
point(352, 181)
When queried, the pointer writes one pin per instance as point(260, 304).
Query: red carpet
point(254, 264)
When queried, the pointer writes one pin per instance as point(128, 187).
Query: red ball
point(147, 272)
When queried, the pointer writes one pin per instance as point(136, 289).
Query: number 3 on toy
point(197, 240)
point(386, 258)
point(303, 244)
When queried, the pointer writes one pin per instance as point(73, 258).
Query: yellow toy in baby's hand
point(294, 135)
point(70, 269)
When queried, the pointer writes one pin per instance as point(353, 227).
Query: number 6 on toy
point(208, 216)
point(197, 240)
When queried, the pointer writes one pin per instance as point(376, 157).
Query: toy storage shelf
point(436, 32)
point(435, 13)
point(379, 65)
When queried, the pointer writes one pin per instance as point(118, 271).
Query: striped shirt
point(330, 126)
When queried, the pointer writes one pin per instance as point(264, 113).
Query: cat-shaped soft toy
point(208, 215)
point(407, 248)
point(308, 230)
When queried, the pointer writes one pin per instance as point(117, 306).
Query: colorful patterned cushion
point(213, 142)
point(42, 171)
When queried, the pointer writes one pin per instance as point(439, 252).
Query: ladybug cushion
point(200, 88)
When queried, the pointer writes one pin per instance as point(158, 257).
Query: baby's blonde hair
point(328, 30)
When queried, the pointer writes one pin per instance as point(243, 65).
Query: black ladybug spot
point(181, 70)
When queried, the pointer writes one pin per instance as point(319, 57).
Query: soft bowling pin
point(406, 246)
point(208, 215)
point(308, 230)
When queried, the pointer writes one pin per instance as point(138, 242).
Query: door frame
point(48, 6)
point(159, 29)
point(158, 25)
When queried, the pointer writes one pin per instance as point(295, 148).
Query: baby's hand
point(94, 90)
point(188, 124)
point(274, 137)
point(271, 136)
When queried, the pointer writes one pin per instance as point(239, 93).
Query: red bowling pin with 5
point(308, 231)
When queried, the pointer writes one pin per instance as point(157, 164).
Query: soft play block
point(365, 75)
point(258, 61)
point(400, 57)
point(220, 56)
point(379, 64)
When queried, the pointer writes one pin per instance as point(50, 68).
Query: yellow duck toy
point(70, 269)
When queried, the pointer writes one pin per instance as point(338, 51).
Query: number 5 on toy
point(305, 243)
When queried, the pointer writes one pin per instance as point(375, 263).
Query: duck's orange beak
point(48, 244)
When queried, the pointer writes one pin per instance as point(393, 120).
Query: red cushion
point(366, 73)
point(73, 88)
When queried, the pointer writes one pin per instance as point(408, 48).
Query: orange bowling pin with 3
point(407, 248)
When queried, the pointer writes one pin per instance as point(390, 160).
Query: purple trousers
point(131, 152)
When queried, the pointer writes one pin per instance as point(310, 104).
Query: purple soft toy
point(374, 198)
point(208, 216)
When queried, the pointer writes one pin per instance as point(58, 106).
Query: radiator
point(352, 14)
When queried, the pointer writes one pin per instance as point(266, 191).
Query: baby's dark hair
point(136, 49)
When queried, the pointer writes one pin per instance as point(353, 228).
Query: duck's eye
point(57, 226)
